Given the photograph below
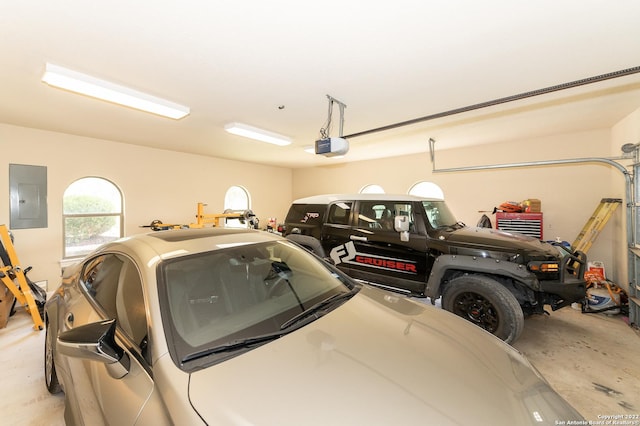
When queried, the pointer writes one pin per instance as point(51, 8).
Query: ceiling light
point(74, 81)
point(251, 132)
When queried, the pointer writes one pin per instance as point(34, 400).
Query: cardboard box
point(532, 205)
point(6, 302)
point(595, 270)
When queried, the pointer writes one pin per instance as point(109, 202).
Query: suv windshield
point(439, 214)
point(222, 302)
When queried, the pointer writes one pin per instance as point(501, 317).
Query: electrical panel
point(28, 196)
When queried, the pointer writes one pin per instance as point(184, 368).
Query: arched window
point(427, 189)
point(236, 200)
point(92, 214)
point(372, 189)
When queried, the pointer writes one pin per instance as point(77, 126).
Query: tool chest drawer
point(524, 223)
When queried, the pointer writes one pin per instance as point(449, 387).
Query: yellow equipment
point(202, 219)
point(11, 273)
point(595, 224)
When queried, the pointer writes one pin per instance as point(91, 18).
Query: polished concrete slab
point(592, 360)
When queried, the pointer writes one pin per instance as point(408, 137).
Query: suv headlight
point(544, 267)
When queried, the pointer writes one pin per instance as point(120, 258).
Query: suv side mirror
point(401, 225)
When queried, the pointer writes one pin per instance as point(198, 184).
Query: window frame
point(244, 191)
point(372, 188)
point(346, 206)
point(426, 189)
point(233, 222)
point(89, 265)
point(379, 223)
point(65, 216)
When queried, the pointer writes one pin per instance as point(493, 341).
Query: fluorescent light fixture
point(74, 81)
point(251, 132)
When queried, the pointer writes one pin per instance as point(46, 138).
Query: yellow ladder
point(595, 224)
point(22, 292)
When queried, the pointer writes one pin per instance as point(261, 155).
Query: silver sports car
point(229, 326)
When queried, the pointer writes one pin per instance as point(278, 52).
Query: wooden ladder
point(21, 291)
point(595, 224)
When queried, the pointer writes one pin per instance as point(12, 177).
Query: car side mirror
point(96, 342)
point(401, 225)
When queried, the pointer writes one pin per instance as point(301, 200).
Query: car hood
point(493, 239)
point(378, 359)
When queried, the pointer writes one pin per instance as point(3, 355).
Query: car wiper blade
point(314, 312)
point(234, 345)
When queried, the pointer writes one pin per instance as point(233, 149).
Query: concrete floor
point(592, 360)
point(24, 399)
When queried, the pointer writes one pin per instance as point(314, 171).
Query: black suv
point(416, 246)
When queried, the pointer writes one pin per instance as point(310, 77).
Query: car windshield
point(218, 303)
point(439, 215)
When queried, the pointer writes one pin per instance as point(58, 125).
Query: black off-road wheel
point(485, 303)
point(50, 375)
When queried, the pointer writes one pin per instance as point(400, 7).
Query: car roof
point(185, 234)
point(171, 243)
point(329, 198)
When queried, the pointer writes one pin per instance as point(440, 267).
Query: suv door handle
point(357, 238)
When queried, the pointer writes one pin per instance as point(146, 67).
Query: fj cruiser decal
point(347, 253)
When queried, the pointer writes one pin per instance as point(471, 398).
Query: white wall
point(167, 185)
point(156, 184)
point(569, 193)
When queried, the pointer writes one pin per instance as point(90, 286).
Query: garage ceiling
point(271, 64)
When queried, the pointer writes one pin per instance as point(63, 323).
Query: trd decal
point(347, 253)
point(309, 216)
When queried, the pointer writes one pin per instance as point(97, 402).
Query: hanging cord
point(325, 131)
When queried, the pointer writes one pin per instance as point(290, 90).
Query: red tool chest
point(524, 223)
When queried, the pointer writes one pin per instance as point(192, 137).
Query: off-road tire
point(310, 243)
point(485, 303)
